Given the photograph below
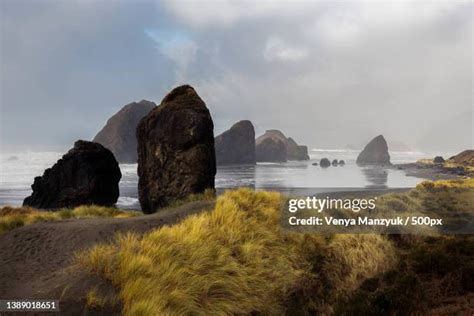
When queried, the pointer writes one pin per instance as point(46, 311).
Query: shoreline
point(431, 172)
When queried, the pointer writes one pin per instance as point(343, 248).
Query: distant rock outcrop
point(236, 145)
point(270, 150)
point(274, 146)
point(295, 151)
point(324, 163)
point(86, 174)
point(119, 134)
point(176, 155)
point(465, 158)
point(375, 152)
point(438, 159)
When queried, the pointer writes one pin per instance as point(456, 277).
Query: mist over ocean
point(18, 171)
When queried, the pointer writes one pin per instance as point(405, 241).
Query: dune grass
point(13, 217)
point(236, 260)
point(447, 164)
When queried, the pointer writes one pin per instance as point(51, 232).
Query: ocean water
point(18, 170)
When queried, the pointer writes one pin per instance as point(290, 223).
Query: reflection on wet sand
point(376, 176)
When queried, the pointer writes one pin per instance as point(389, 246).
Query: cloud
point(178, 47)
point(277, 50)
point(204, 14)
point(328, 73)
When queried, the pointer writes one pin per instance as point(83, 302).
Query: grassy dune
point(236, 260)
point(14, 217)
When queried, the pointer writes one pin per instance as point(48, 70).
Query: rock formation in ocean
point(295, 151)
point(86, 174)
point(335, 162)
point(236, 145)
point(176, 155)
point(270, 150)
point(119, 133)
point(324, 163)
point(375, 152)
point(342, 162)
point(274, 146)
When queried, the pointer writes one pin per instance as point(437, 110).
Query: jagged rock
point(324, 163)
point(236, 145)
point(270, 150)
point(176, 155)
point(291, 151)
point(119, 133)
point(438, 159)
point(375, 152)
point(335, 162)
point(295, 151)
point(86, 174)
point(342, 162)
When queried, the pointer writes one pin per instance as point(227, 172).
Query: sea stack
point(176, 154)
point(274, 146)
point(375, 152)
point(119, 133)
point(86, 174)
point(236, 145)
point(295, 151)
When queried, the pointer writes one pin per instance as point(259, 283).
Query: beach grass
point(14, 217)
point(447, 164)
point(236, 260)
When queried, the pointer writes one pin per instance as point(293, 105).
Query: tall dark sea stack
point(176, 154)
point(236, 145)
point(375, 152)
point(118, 134)
point(86, 174)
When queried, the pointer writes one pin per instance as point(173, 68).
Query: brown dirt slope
point(465, 158)
point(34, 259)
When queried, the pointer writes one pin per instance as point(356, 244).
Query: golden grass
point(13, 217)
point(236, 260)
point(447, 164)
point(207, 195)
point(447, 184)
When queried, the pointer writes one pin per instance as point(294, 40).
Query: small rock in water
point(324, 163)
point(314, 163)
point(335, 162)
point(342, 162)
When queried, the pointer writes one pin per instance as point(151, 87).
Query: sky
point(327, 73)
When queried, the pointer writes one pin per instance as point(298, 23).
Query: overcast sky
point(326, 73)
